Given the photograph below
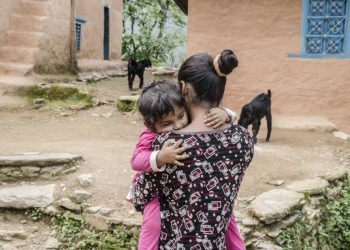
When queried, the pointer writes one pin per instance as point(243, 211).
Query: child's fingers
point(181, 150)
point(180, 164)
point(218, 124)
point(212, 123)
point(166, 144)
point(182, 157)
point(177, 143)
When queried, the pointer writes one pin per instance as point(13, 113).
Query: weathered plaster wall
point(6, 9)
point(262, 33)
point(55, 52)
point(92, 32)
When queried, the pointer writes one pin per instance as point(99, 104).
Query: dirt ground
point(106, 144)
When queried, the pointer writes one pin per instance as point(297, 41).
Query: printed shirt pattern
point(197, 199)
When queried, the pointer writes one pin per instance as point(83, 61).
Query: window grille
point(78, 30)
point(326, 27)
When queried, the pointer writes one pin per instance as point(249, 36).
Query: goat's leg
point(269, 125)
point(131, 81)
point(255, 129)
point(141, 82)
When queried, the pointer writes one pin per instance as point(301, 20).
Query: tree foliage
point(152, 29)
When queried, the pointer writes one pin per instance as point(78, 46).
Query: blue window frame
point(326, 28)
point(78, 29)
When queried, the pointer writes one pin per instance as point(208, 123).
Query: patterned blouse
point(197, 199)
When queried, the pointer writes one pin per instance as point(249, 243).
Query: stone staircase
point(17, 55)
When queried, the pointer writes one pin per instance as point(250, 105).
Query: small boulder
point(310, 186)
point(275, 204)
point(85, 180)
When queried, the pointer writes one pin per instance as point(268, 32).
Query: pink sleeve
point(140, 159)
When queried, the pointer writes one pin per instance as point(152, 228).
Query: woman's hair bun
point(227, 61)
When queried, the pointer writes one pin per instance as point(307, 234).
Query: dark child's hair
point(209, 84)
point(159, 98)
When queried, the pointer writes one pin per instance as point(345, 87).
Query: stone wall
point(261, 219)
point(43, 166)
point(263, 33)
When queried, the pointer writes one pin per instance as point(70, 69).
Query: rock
point(23, 221)
point(310, 186)
point(106, 211)
point(51, 210)
point(70, 205)
point(276, 182)
point(80, 195)
point(8, 235)
point(27, 196)
point(93, 210)
point(96, 221)
point(267, 245)
point(274, 205)
point(107, 115)
point(85, 180)
point(333, 192)
point(40, 101)
point(335, 175)
point(69, 170)
point(341, 135)
point(8, 247)
point(249, 222)
point(44, 159)
point(52, 243)
point(127, 103)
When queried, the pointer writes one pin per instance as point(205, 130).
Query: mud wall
point(92, 12)
point(55, 48)
point(6, 9)
point(262, 34)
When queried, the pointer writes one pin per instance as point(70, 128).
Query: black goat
point(137, 68)
point(254, 111)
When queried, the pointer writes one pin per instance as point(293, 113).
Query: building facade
point(51, 35)
point(300, 49)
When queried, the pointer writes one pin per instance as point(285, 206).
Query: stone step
point(16, 69)
point(20, 22)
point(18, 54)
point(38, 159)
point(27, 196)
point(36, 8)
point(11, 85)
point(24, 39)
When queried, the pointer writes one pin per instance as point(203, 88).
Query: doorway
point(106, 34)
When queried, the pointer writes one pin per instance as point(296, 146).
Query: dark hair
point(199, 71)
point(158, 99)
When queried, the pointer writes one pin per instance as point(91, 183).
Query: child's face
point(172, 121)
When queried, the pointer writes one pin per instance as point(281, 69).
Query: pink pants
point(150, 230)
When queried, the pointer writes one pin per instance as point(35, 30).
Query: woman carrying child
point(197, 194)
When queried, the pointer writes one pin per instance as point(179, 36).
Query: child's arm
point(143, 159)
point(219, 116)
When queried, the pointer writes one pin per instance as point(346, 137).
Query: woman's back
point(197, 199)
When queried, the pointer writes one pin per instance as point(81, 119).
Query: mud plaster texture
point(262, 34)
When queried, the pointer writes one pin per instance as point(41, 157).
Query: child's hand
point(216, 117)
point(171, 154)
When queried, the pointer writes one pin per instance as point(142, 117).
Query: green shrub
point(329, 230)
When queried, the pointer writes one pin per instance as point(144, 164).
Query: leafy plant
point(152, 29)
point(330, 230)
point(35, 213)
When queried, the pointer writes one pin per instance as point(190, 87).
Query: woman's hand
point(216, 118)
point(171, 153)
